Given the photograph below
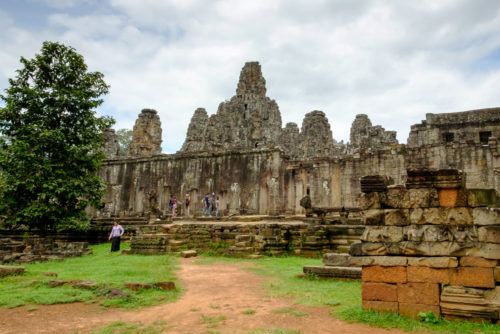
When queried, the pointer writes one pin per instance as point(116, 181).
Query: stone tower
point(146, 136)
point(111, 145)
point(250, 119)
point(317, 139)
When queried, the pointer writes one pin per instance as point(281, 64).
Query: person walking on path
point(206, 205)
point(188, 204)
point(116, 232)
point(174, 207)
point(171, 204)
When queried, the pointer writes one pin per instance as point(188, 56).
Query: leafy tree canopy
point(49, 164)
point(124, 138)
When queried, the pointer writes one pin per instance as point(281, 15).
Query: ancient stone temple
point(256, 166)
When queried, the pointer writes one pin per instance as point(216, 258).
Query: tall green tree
point(124, 138)
point(49, 164)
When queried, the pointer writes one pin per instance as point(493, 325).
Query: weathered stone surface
point(11, 270)
point(373, 217)
point(384, 274)
point(397, 217)
point(336, 259)
point(189, 253)
point(364, 136)
point(165, 285)
point(382, 234)
point(251, 80)
point(441, 216)
point(469, 302)
point(316, 135)
point(486, 216)
point(333, 271)
point(369, 201)
point(56, 283)
point(146, 136)
point(84, 284)
point(433, 262)
point(475, 277)
point(496, 273)
point(137, 286)
point(379, 291)
point(290, 140)
point(419, 293)
point(111, 145)
point(439, 233)
point(428, 275)
point(411, 310)
point(474, 261)
point(117, 293)
point(385, 261)
point(196, 132)
point(482, 197)
point(398, 197)
point(373, 183)
point(380, 306)
point(489, 234)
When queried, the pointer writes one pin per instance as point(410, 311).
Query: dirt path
point(211, 290)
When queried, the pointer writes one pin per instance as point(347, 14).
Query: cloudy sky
point(393, 60)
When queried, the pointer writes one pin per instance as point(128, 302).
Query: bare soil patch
point(216, 290)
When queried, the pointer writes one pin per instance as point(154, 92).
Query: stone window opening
point(484, 136)
point(308, 191)
point(448, 137)
point(246, 106)
point(256, 144)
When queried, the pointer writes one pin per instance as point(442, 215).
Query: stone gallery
point(257, 166)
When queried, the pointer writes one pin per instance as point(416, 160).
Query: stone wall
point(431, 245)
point(267, 236)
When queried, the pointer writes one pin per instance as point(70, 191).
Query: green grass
point(343, 297)
point(290, 310)
point(212, 321)
point(249, 311)
point(131, 328)
point(107, 269)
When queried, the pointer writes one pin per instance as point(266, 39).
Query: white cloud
point(394, 61)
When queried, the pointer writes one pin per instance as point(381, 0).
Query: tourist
point(171, 203)
point(217, 207)
point(188, 204)
point(174, 207)
point(114, 236)
point(206, 205)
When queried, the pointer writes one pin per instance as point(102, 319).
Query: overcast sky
point(393, 60)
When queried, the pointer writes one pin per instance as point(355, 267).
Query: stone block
point(470, 303)
point(474, 277)
point(486, 250)
point(382, 234)
point(333, 271)
point(380, 306)
point(373, 217)
point(459, 216)
point(56, 283)
point(369, 201)
point(336, 259)
point(437, 248)
point(475, 261)
point(385, 261)
point(433, 262)
point(436, 216)
point(486, 216)
point(396, 197)
point(419, 293)
point(379, 274)
point(412, 310)
point(489, 234)
point(136, 286)
point(482, 197)
point(165, 285)
point(84, 284)
point(397, 217)
point(496, 274)
point(11, 270)
point(379, 291)
point(448, 197)
point(428, 275)
point(188, 253)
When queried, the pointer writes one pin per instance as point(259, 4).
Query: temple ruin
point(257, 166)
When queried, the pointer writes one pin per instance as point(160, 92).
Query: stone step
point(334, 271)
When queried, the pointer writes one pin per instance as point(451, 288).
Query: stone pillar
point(274, 197)
point(111, 145)
point(234, 201)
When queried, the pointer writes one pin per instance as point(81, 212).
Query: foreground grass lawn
point(109, 270)
point(343, 297)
